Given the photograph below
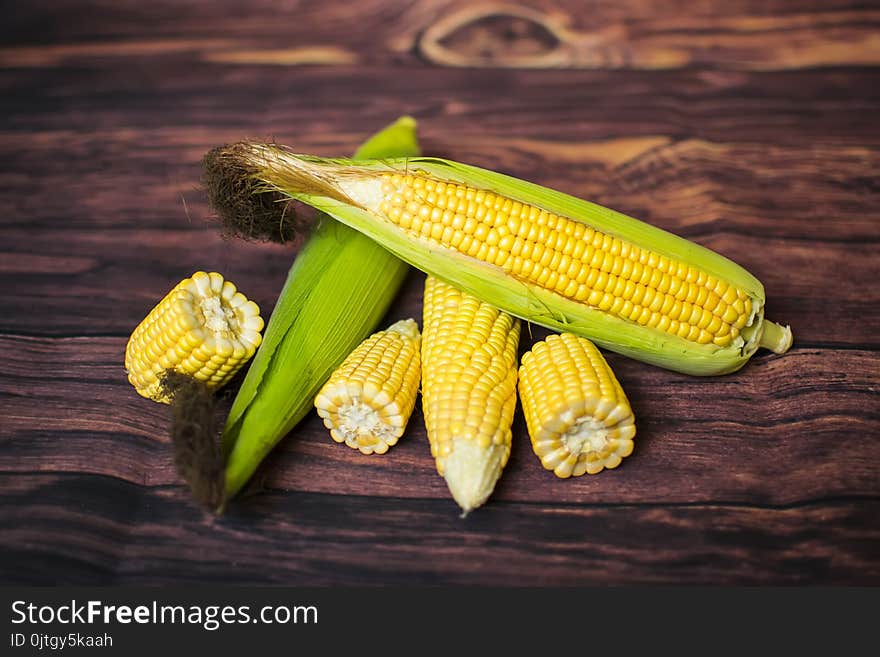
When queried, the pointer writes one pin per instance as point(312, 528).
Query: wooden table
point(750, 127)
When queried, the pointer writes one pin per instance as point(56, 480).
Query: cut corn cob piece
point(578, 416)
point(370, 397)
point(469, 353)
point(544, 256)
point(203, 328)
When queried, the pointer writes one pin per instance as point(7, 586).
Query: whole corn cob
point(578, 416)
point(337, 290)
point(469, 353)
point(368, 400)
point(544, 256)
point(203, 327)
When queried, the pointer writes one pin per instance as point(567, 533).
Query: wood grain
point(111, 531)
point(128, 268)
point(747, 126)
point(771, 435)
point(632, 34)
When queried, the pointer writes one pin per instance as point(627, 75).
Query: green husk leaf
point(337, 290)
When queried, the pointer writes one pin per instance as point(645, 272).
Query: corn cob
point(203, 327)
point(370, 397)
point(337, 290)
point(468, 389)
point(578, 416)
point(544, 256)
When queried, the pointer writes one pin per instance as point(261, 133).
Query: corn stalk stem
point(775, 337)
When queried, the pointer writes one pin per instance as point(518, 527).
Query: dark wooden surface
point(750, 127)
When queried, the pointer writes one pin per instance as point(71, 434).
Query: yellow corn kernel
point(469, 351)
point(578, 416)
point(368, 400)
point(615, 271)
point(203, 328)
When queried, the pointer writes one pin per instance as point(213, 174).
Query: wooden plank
point(112, 278)
point(691, 186)
point(772, 434)
point(633, 34)
point(211, 103)
point(96, 530)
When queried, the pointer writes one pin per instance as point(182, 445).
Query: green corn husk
point(344, 189)
point(339, 287)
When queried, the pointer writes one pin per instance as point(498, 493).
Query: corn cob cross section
point(469, 351)
point(577, 414)
point(368, 400)
point(203, 327)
